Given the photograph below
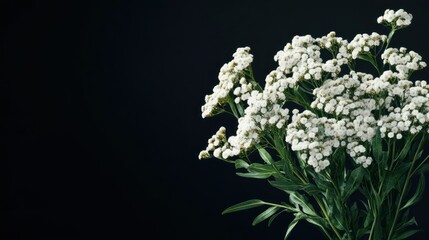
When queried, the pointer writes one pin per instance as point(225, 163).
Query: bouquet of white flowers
point(348, 153)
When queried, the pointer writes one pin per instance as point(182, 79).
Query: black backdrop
point(101, 123)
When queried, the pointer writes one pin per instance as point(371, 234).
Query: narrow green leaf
point(361, 232)
point(265, 215)
point(311, 189)
point(377, 145)
point(395, 177)
point(240, 109)
point(406, 234)
point(233, 108)
point(405, 150)
point(405, 224)
point(270, 221)
point(353, 182)
point(418, 194)
point(368, 220)
point(338, 221)
point(299, 200)
point(378, 231)
point(265, 155)
point(292, 224)
point(318, 221)
point(262, 168)
point(424, 168)
point(240, 163)
point(354, 213)
point(257, 175)
point(377, 200)
point(285, 186)
point(244, 205)
point(365, 57)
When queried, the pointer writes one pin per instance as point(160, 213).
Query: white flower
point(398, 19)
point(319, 147)
point(229, 75)
point(299, 60)
point(404, 62)
point(217, 145)
point(363, 43)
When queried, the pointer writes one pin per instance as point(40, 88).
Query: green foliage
point(327, 199)
point(244, 205)
point(265, 215)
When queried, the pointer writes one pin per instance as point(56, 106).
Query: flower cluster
point(409, 117)
point(363, 43)
point(343, 98)
point(397, 20)
point(216, 145)
point(346, 109)
point(317, 137)
point(299, 60)
point(404, 62)
point(313, 137)
point(265, 110)
point(242, 92)
point(229, 76)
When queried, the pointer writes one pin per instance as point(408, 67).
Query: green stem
point(327, 217)
point(420, 164)
point(373, 62)
point(398, 207)
point(372, 227)
point(389, 38)
point(281, 206)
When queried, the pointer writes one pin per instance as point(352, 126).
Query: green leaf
point(240, 109)
point(410, 222)
point(233, 108)
point(285, 186)
point(240, 163)
point(418, 194)
point(406, 234)
point(378, 231)
point(321, 181)
point(377, 147)
point(405, 150)
point(393, 178)
point(318, 221)
point(244, 205)
point(338, 221)
point(282, 150)
point(361, 232)
point(262, 168)
point(365, 57)
point(353, 182)
point(292, 224)
point(369, 58)
point(265, 155)
point(311, 189)
point(258, 170)
point(377, 200)
point(274, 217)
point(368, 220)
point(299, 200)
point(265, 215)
point(424, 168)
point(257, 175)
point(354, 211)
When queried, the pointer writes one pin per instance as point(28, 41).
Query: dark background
point(101, 123)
